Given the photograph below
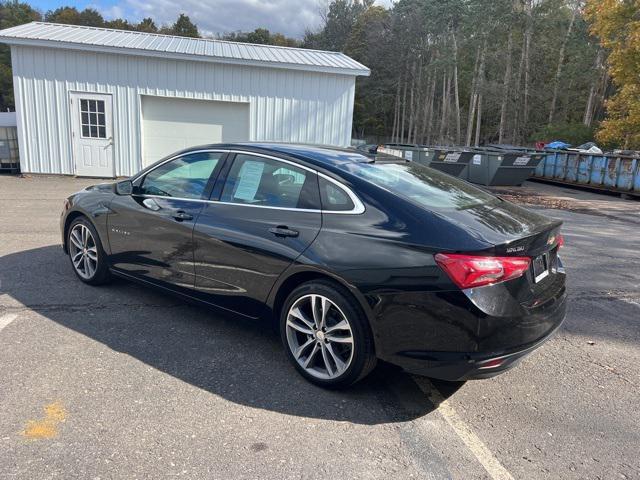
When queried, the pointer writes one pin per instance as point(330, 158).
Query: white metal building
point(102, 102)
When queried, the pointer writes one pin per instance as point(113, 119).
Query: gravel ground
point(125, 382)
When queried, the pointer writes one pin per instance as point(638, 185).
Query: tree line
point(471, 71)
point(14, 12)
point(450, 71)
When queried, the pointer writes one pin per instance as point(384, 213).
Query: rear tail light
point(560, 240)
point(468, 271)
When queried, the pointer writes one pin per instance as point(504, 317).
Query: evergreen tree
point(70, 15)
point(147, 25)
point(184, 27)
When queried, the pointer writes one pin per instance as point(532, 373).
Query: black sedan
point(356, 256)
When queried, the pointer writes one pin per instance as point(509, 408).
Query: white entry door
point(92, 134)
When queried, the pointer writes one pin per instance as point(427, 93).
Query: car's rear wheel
point(86, 253)
point(326, 335)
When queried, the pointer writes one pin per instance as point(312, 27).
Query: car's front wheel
point(326, 335)
point(86, 253)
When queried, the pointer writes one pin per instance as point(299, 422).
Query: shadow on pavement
point(238, 360)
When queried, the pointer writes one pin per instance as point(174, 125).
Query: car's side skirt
point(178, 293)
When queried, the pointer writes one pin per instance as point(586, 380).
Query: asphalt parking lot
point(124, 382)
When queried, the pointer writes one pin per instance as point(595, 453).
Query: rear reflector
point(468, 271)
point(493, 363)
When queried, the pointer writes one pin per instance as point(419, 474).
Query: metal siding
point(285, 105)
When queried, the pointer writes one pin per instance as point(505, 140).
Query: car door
point(151, 230)
point(266, 213)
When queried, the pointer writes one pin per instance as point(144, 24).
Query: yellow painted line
point(482, 453)
point(7, 319)
point(46, 428)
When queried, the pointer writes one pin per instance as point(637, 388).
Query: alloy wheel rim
point(319, 336)
point(83, 251)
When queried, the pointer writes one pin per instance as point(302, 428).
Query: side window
point(92, 119)
point(334, 198)
point(255, 180)
point(182, 177)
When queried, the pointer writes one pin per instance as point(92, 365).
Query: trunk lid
point(508, 229)
point(502, 229)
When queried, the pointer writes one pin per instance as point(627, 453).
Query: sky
point(290, 17)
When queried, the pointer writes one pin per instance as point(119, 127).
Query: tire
point(347, 349)
point(88, 258)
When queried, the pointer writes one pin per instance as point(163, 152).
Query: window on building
point(93, 120)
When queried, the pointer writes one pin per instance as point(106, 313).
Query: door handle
point(284, 231)
point(181, 215)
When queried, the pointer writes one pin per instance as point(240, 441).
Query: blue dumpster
point(616, 173)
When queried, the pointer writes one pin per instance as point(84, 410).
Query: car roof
point(319, 155)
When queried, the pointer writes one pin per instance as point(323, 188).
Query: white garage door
point(171, 124)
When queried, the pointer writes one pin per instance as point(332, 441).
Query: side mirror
point(124, 187)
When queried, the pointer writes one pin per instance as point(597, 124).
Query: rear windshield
point(424, 186)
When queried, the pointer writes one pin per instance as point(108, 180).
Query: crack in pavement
point(603, 366)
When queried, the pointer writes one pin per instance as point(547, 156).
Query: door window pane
point(93, 124)
point(334, 198)
point(261, 181)
point(183, 177)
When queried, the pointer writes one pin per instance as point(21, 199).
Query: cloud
point(114, 11)
point(290, 17)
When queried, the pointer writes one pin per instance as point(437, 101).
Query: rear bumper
point(453, 366)
point(460, 336)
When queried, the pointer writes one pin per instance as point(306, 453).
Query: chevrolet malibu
point(354, 256)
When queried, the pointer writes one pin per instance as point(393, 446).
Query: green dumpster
point(453, 161)
point(449, 160)
point(494, 166)
point(413, 153)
